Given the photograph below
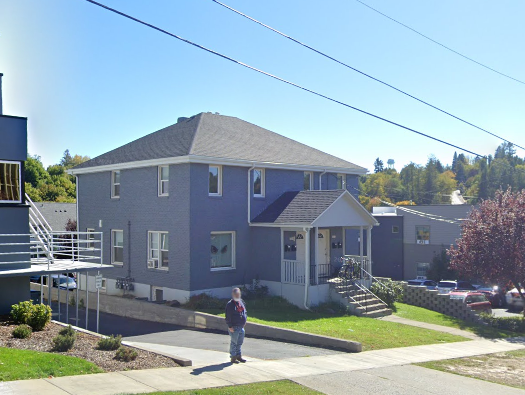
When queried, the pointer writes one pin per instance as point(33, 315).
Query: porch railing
point(293, 272)
point(321, 273)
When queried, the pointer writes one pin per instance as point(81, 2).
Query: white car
point(447, 286)
point(514, 300)
point(423, 283)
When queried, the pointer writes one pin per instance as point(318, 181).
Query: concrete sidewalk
point(434, 327)
point(223, 374)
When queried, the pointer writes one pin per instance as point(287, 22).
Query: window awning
point(327, 208)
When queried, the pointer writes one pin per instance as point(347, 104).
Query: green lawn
point(371, 333)
point(432, 317)
point(507, 368)
point(272, 387)
point(24, 364)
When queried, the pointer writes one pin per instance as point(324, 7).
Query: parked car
point(63, 282)
point(514, 300)
point(423, 283)
point(494, 294)
point(447, 286)
point(475, 300)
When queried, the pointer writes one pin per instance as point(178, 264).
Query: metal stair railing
point(40, 231)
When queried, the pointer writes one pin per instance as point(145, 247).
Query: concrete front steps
point(357, 301)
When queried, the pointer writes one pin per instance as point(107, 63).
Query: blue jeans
point(236, 340)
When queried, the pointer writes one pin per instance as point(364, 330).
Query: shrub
point(63, 343)
point(21, 312)
point(110, 343)
point(388, 291)
point(36, 316)
point(125, 354)
point(204, 302)
point(512, 324)
point(254, 291)
point(22, 331)
point(68, 331)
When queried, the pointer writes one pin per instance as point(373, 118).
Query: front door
point(323, 247)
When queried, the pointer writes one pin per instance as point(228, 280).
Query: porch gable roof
point(315, 208)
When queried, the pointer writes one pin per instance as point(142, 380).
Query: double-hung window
point(341, 181)
point(222, 254)
point(308, 181)
point(10, 186)
point(117, 247)
point(115, 184)
point(258, 182)
point(215, 181)
point(423, 234)
point(164, 179)
point(158, 249)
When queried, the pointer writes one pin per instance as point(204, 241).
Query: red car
point(475, 300)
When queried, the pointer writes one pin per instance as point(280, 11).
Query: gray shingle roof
point(302, 207)
point(220, 136)
point(57, 214)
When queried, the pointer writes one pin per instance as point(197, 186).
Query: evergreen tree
point(378, 166)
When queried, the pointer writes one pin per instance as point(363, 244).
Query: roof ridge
point(199, 121)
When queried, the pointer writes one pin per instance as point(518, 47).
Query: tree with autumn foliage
point(492, 243)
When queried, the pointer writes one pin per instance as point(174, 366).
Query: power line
point(363, 73)
point(441, 45)
point(281, 79)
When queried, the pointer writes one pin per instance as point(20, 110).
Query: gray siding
point(387, 248)
point(13, 135)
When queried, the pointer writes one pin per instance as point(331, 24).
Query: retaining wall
point(432, 300)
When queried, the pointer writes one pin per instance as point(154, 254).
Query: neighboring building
point(28, 244)
point(58, 214)
point(408, 238)
point(214, 202)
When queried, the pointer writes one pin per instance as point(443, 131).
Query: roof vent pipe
point(1, 110)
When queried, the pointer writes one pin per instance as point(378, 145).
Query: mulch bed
point(85, 347)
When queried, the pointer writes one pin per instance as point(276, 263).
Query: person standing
point(236, 316)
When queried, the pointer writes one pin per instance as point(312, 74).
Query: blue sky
point(90, 80)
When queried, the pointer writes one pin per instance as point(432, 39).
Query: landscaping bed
point(507, 368)
point(85, 347)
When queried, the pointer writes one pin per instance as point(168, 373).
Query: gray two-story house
point(213, 202)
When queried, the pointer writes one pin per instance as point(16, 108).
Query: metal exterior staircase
point(41, 233)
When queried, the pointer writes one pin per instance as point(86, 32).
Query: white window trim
point(219, 181)
point(343, 180)
point(159, 250)
point(19, 180)
point(159, 175)
point(91, 245)
point(263, 183)
point(234, 252)
point(154, 288)
point(113, 247)
point(311, 175)
point(113, 184)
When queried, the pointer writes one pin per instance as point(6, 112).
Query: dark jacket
point(236, 314)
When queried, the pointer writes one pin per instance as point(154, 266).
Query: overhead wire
point(281, 79)
point(319, 52)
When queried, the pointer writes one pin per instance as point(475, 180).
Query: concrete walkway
point(434, 327)
point(223, 374)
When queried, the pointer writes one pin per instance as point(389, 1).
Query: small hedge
point(512, 324)
point(68, 331)
point(204, 302)
point(110, 343)
point(388, 291)
point(37, 316)
point(65, 340)
point(125, 354)
point(22, 331)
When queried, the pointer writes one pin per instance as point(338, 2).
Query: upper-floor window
point(10, 186)
point(308, 181)
point(222, 250)
point(341, 181)
point(115, 184)
point(215, 181)
point(117, 247)
point(395, 229)
point(90, 236)
point(258, 182)
point(158, 250)
point(423, 234)
point(164, 179)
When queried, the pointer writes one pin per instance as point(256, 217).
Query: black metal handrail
point(321, 273)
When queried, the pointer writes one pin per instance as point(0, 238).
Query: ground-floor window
point(117, 247)
point(422, 269)
point(158, 250)
point(222, 254)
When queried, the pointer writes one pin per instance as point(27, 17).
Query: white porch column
point(306, 266)
point(369, 248)
point(282, 257)
point(316, 252)
point(361, 249)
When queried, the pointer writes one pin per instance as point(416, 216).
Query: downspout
point(306, 267)
point(249, 196)
point(321, 179)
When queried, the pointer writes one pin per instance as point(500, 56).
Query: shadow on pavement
point(211, 368)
